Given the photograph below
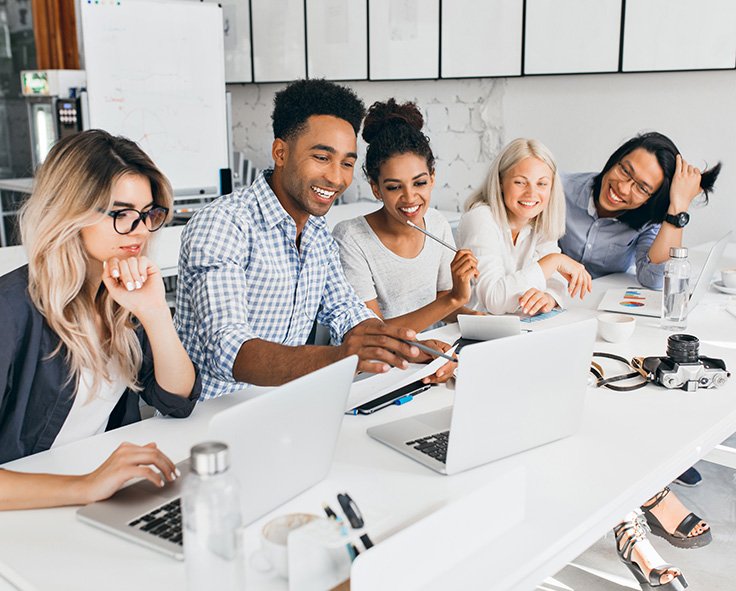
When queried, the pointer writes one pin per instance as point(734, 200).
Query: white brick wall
point(463, 119)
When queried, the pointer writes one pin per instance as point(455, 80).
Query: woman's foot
point(645, 563)
point(670, 519)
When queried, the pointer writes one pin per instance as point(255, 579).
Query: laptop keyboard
point(434, 446)
point(163, 522)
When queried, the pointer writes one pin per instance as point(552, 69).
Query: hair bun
point(382, 115)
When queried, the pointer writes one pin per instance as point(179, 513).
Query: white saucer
point(723, 289)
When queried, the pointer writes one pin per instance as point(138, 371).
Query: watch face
point(682, 219)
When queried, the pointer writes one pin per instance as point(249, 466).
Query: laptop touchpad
point(438, 420)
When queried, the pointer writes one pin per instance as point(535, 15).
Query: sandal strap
point(636, 530)
point(687, 525)
point(655, 575)
point(658, 498)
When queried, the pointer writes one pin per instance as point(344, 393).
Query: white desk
point(570, 493)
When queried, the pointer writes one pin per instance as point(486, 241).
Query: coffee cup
point(273, 555)
point(616, 328)
point(728, 277)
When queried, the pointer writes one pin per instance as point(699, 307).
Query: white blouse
point(507, 270)
point(91, 409)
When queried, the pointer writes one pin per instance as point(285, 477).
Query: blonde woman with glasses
point(86, 327)
point(512, 224)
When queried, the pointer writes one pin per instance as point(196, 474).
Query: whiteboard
point(155, 74)
point(337, 39)
point(236, 30)
point(278, 40)
point(481, 38)
point(679, 35)
point(572, 36)
point(404, 39)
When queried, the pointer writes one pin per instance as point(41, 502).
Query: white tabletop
point(558, 499)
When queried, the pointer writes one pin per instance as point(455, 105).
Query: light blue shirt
point(242, 277)
point(606, 245)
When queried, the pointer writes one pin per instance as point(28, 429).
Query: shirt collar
point(272, 211)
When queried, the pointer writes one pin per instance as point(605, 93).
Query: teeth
point(409, 209)
point(615, 197)
point(528, 203)
point(323, 192)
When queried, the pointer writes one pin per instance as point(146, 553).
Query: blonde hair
point(72, 188)
point(550, 224)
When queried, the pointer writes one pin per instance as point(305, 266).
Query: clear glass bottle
point(676, 291)
point(212, 520)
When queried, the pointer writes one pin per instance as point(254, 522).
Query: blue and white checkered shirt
point(241, 277)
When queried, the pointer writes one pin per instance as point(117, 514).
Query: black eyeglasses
point(126, 220)
point(638, 189)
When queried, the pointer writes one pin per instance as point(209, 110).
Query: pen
point(432, 236)
point(429, 350)
point(352, 550)
point(355, 517)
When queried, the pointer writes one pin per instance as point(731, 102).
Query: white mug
point(273, 554)
point(616, 328)
point(728, 277)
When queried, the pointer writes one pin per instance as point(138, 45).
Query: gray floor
point(712, 568)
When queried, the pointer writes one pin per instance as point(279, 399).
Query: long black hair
point(664, 149)
point(390, 129)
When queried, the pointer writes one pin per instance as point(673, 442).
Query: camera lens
point(683, 348)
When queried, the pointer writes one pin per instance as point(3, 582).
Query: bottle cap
point(210, 458)
point(678, 252)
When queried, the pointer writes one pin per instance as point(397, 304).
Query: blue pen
point(403, 400)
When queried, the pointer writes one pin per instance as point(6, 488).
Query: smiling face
point(526, 190)
point(626, 184)
point(101, 241)
point(405, 186)
point(315, 167)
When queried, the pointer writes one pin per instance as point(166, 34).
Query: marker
point(352, 550)
point(432, 236)
point(355, 517)
point(429, 350)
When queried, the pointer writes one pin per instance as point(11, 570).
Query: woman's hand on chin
point(136, 284)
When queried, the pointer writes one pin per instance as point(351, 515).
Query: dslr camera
point(683, 368)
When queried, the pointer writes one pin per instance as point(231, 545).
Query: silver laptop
point(511, 395)
point(648, 302)
point(487, 328)
point(281, 443)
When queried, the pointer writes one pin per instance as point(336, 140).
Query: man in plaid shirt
point(257, 267)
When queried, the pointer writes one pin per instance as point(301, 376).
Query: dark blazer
point(34, 399)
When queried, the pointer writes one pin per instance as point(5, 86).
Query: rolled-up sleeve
point(213, 310)
point(341, 309)
point(649, 274)
point(161, 399)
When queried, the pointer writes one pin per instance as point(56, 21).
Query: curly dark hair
point(390, 129)
point(664, 149)
point(293, 105)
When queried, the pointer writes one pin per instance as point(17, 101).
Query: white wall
point(581, 118)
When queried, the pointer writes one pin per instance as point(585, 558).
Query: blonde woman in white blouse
point(512, 224)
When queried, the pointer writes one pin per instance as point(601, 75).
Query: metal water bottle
point(676, 291)
point(212, 520)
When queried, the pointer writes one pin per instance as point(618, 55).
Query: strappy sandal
point(680, 537)
point(636, 532)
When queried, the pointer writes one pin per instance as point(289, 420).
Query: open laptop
point(511, 395)
point(281, 443)
point(648, 302)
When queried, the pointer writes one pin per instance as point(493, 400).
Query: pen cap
point(210, 458)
